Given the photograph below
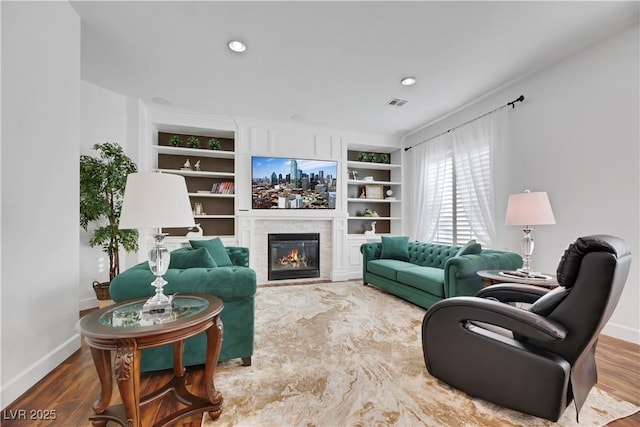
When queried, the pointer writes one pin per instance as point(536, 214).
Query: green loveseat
point(235, 285)
point(425, 273)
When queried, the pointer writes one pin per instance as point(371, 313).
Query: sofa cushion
point(396, 247)
point(471, 248)
point(387, 267)
point(191, 258)
point(426, 279)
point(216, 250)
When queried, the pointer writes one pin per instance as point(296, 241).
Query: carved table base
point(126, 370)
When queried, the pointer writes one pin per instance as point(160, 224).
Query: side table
point(491, 277)
point(125, 329)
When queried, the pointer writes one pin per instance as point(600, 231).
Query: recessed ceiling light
point(408, 81)
point(237, 46)
point(297, 118)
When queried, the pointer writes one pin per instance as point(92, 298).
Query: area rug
point(345, 354)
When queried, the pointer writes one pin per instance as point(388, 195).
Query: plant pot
point(102, 293)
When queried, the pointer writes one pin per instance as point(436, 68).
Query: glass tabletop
point(132, 316)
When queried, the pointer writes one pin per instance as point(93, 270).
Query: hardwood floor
point(70, 390)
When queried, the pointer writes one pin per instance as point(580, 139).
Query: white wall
point(105, 116)
point(40, 122)
point(576, 136)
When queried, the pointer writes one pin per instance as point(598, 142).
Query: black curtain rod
point(512, 104)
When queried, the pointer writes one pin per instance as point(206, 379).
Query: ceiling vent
point(396, 102)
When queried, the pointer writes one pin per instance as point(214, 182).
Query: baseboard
point(622, 332)
point(22, 382)
point(340, 276)
point(87, 303)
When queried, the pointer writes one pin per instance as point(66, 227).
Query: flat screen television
point(288, 183)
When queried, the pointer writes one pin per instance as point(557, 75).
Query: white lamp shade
point(155, 200)
point(529, 209)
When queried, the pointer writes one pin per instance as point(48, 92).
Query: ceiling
point(329, 63)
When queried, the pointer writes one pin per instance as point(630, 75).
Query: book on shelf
point(226, 187)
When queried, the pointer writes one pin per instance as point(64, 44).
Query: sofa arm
point(461, 272)
point(239, 255)
point(369, 251)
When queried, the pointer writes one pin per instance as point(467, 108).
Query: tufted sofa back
point(430, 255)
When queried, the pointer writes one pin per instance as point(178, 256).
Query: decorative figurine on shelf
point(363, 195)
point(197, 233)
point(371, 232)
point(187, 165)
point(197, 166)
point(197, 210)
point(370, 213)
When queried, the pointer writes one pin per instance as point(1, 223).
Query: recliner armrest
point(521, 322)
point(513, 292)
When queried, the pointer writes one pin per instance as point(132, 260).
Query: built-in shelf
point(195, 152)
point(222, 196)
point(363, 182)
point(371, 165)
point(358, 199)
point(199, 174)
point(385, 175)
point(374, 218)
point(217, 173)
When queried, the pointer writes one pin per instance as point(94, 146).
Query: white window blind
point(454, 226)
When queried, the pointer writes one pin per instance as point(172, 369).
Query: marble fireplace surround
point(255, 226)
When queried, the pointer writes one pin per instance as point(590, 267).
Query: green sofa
point(425, 273)
point(234, 284)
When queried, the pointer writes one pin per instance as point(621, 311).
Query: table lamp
point(527, 209)
point(155, 200)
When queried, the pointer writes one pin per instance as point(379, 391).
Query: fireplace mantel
point(254, 227)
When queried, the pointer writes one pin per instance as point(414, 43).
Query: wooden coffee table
point(491, 277)
point(123, 328)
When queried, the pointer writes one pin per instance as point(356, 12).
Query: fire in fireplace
point(294, 256)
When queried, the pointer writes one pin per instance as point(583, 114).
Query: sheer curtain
point(472, 148)
point(429, 163)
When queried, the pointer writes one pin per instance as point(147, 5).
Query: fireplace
point(294, 256)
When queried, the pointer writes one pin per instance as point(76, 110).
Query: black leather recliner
point(534, 360)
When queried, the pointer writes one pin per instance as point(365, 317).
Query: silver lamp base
point(159, 259)
point(527, 244)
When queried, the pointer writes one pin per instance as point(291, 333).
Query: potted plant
point(102, 182)
point(193, 142)
point(214, 144)
point(175, 141)
point(371, 157)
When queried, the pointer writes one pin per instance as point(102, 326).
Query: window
point(454, 190)
point(453, 225)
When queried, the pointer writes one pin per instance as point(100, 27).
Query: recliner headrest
point(569, 265)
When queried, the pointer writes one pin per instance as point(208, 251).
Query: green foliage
point(371, 157)
point(214, 144)
point(362, 157)
point(384, 158)
point(175, 141)
point(102, 183)
point(193, 142)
